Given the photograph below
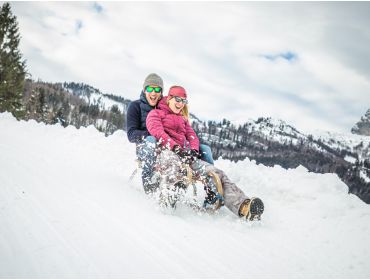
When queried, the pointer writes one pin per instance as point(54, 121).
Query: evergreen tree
point(12, 68)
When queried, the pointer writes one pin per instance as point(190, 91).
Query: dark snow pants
point(146, 153)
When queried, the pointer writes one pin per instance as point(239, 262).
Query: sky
point(307, 63)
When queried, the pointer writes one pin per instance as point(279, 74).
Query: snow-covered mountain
point(93, 96)
point(273, 142)
point(359, 145)
point(363, 126)
point(74, 104)
point(68, 210)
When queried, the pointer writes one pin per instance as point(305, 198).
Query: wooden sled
point(191, 180)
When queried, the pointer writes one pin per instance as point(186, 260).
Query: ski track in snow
point(67, 209)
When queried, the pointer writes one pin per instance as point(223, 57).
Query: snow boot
point(151, 185)
point(251, 209)
point(150, 188)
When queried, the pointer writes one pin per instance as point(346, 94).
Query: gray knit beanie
point(153, 79)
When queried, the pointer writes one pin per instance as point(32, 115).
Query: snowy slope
point(68, 210)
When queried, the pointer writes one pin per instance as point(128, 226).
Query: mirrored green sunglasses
point(156, 89)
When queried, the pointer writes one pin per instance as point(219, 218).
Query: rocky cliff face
point(363, 126)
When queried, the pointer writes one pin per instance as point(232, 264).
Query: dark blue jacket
point(137, 112)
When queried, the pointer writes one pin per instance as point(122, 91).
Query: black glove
point(191, 156)
point(177, 150)
point(195, 154)
point(184, 155)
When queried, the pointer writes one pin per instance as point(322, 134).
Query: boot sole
point(256, 209)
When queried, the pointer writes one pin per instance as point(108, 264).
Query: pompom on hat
point(177, 91)
point(153, 79)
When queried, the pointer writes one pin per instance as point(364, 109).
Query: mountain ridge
point(266, 140)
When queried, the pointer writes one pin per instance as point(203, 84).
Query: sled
point(192, 180)
point(169, 196)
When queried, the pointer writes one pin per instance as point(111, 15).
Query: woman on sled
point(170, 125)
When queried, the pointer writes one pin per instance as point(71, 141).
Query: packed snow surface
point(67, 209)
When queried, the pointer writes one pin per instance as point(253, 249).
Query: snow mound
point(67, 209)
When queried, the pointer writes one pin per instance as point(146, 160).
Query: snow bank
point(68, 210)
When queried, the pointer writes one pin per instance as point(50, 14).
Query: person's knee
point(151, 139)
point(206, 153)
point(147, 148)
point(205, 148)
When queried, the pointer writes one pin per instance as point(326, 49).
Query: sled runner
point(212, 186)
point(138, 166)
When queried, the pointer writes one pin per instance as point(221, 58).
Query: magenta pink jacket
point(170, 128)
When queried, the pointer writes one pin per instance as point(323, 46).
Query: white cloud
point(216, 51)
